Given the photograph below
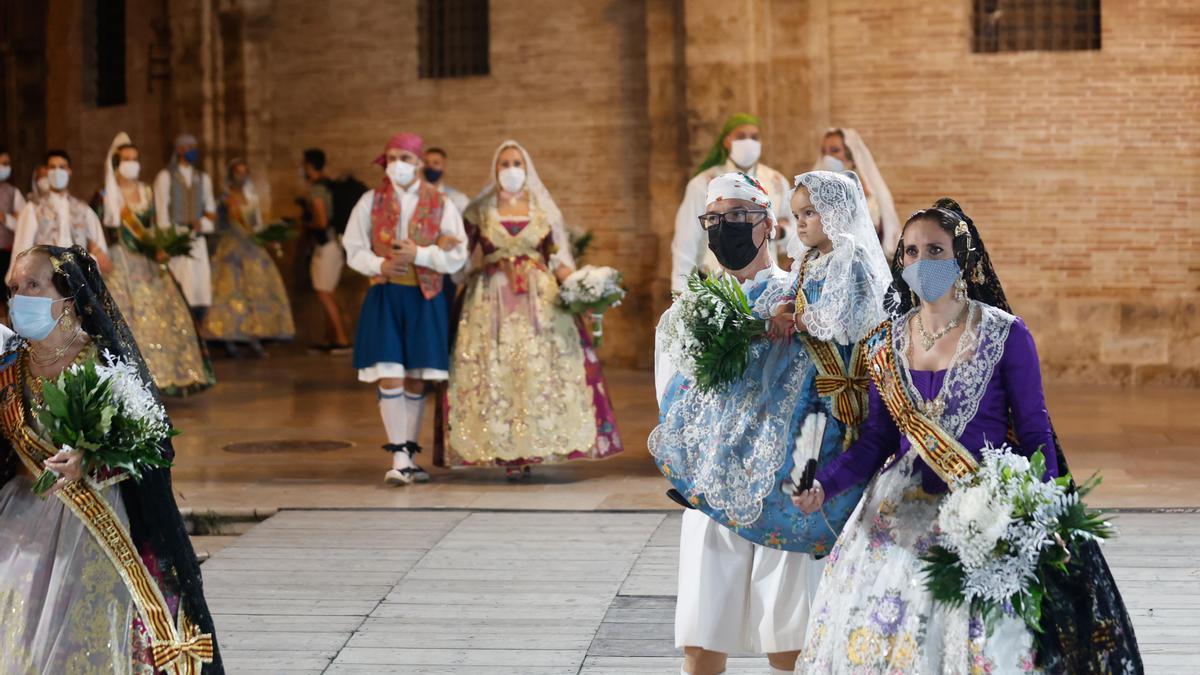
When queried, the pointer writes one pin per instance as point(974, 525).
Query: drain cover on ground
point(260, 447)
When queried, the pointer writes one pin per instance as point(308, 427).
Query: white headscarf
point(539, 199)
point(864, 164)
point(738, 185)
point(114, 201)
point(856, 273)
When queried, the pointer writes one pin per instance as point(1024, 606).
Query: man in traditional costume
point(60, 219)
point(183, 198)
point(737, 148)
point(403, 341)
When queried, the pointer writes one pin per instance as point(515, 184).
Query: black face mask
point(733, 244)
point(433, 175)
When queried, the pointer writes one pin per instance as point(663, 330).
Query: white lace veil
point(539, 198)
point(864, 164)
point(114, 201)
point(856, 273)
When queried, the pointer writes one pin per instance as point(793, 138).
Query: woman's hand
point(562, 272)
point(68, 465)
point(810, 500)
point(447, 242)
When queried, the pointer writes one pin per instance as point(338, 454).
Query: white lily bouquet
point(107, 413)
point(1003, 529)
point(710, 330)
point(595, 290)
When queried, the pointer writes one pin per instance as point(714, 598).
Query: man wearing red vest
point(405, 235)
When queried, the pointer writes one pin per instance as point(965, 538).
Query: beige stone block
point(1136, 350)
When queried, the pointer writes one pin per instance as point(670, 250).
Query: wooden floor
point(1145, 441)
point(540, 593)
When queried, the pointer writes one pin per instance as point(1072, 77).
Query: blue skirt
point(398, 325)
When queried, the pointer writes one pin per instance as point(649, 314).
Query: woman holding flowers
point(735, 440)
point(98, 574)
point(953, 374)
point(140, 283)
point(525, 383)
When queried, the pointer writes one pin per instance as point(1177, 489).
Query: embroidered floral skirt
point(153, 305)
point(63, 606)
point(525, 383)
point(872, 613)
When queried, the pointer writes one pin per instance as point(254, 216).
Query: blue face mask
point(192, 156)
point(931, 279)
point(33, 317)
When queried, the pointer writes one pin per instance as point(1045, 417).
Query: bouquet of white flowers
point(1002, 529)
point(107, 413)
point(709, 332)
point(595, 290)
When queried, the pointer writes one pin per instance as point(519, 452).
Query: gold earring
point(960, 289)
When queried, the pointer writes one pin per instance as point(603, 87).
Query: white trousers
point(737, 596)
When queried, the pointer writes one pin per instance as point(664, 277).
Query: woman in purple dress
point(954, 371)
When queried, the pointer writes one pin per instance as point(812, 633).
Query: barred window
point(453, 38)
point(104, 58)
point(1035, 25)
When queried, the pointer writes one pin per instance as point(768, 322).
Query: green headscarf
point(719, 154)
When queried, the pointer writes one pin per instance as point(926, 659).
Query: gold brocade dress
point(63, 606)
point(249, 298)
point(525, 384)
point(154, 307)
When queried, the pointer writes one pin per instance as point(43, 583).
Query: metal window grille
point(1035, 25)
point(110, 52)
point(453, 38)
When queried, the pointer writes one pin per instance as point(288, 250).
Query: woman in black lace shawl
point(1086, 626)
point(154, 523)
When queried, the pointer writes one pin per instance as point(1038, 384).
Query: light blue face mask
point(931, 279)
point(32, 317)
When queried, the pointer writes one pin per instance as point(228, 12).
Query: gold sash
point(178, 649)
point(847, 388)
point(940, 450)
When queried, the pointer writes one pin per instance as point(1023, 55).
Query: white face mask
point(43, 185)
point(832, 163)
point(5, 172)
point(745, 152)
point(129, 169)
point(400, 172)
point(512, 178)
point(59, 179)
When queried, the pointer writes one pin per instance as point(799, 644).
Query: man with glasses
point(737, 149)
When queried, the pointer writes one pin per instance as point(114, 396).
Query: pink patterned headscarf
point(405, 140)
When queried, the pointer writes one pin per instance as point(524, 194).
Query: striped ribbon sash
point(940, 450)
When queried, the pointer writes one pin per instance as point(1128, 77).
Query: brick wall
point(1081, 168)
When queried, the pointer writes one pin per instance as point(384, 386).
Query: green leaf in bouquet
point(276, 233)
point(1028, 606)
point(944, 575)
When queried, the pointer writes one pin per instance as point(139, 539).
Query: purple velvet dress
point(872, 613)
point(1015, 387)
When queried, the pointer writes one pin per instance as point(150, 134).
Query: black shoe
point(679, 499)
point(338, 350)
point(419, 475)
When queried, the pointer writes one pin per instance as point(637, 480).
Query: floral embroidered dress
point(727, 451)
point(525, 383)
point(250, 301)
point(153, 305)
point(873, 613)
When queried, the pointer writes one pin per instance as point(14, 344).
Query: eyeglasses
point(752, 217)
